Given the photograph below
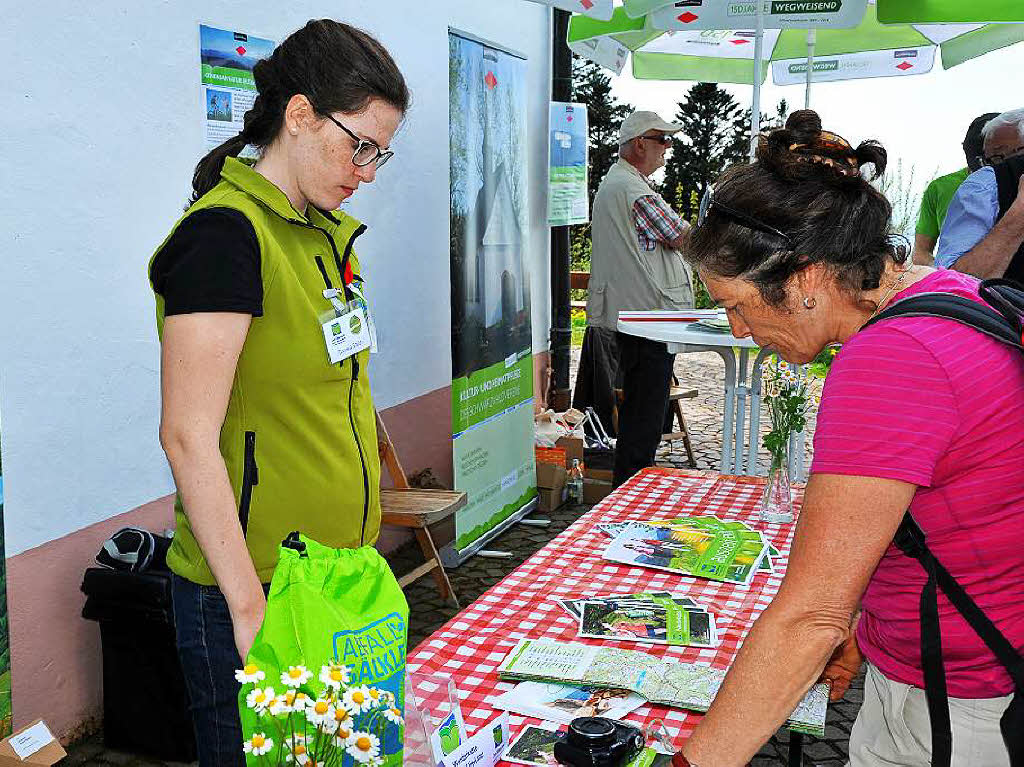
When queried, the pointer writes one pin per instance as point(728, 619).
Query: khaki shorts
point(893, 729)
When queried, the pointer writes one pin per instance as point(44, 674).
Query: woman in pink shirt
point(918, 414)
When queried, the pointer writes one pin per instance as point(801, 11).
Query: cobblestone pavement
point(703, 415)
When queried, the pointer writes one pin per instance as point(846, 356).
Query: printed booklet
point(724, 554)
point(662, 624)
point(563, 703)
point(704, 522)
point(680, 685)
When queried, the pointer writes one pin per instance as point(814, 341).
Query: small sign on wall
point(228, 88)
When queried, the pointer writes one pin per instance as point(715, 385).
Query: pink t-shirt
point(937, 404)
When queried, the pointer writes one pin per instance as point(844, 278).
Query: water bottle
point(575, 482)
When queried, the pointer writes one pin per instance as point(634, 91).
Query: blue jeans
point(209, 659)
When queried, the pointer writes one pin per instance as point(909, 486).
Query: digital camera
point(596, 741)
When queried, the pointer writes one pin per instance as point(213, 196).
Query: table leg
point(755, 412)
point(796, 749)
point(741, 412)
point(729, 410)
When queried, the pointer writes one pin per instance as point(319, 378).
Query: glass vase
point(777, 499)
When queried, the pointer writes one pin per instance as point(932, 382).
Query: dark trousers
point(598, 375)
point(209, 659)
point(646, 370)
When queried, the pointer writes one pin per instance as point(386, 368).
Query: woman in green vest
point(266, 418)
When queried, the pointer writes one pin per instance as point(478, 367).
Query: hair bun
point(803, 150)
point(804, 125)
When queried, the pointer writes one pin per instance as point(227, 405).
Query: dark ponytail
point(337, 67)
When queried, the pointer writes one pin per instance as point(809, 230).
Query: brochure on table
point(724, 554)
point(680, 685)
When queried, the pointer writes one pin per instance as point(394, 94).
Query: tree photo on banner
point(492, 361)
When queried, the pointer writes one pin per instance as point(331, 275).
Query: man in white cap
point(635, 265)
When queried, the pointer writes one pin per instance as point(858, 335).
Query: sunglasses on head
point(708, 202)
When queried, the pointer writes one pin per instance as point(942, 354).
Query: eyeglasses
point(663, 139)
point(998, 157)
point(708, 202)
point(366, 151)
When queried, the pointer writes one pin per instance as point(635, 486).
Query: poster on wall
point(492, 341)
point(6, 709)
point(226, 62)
point(568, 157)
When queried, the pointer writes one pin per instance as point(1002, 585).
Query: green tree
point(714, 136)
point(592, 86)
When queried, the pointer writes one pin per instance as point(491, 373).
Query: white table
point(682, 336)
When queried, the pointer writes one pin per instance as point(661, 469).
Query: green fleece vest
point(299, 437)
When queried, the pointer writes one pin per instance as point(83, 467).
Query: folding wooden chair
point(417, 510)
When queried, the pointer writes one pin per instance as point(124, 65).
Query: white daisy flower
point(258, 745)
point(319, 712)
point(296, 750)
point(334, 676)
point(340, 719)
point(289, 702)
point(357, 700)
point(393, 715)
point(376, 695)
point(344, 735)
point(364, 746)
point(250, 674)
point(259, 698)
point(296, 676)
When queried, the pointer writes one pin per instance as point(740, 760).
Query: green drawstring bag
point(324, 682)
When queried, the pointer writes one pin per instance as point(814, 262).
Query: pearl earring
point(809, 303)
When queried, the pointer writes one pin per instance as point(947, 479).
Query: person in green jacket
point(266, 419)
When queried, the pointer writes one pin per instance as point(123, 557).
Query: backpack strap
point(910, 540)
point(982, 318)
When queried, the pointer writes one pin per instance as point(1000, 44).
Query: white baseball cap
point(638, 123)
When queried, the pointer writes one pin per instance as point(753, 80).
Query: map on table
point(679, 685)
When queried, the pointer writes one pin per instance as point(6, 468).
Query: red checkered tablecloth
point(525, 603)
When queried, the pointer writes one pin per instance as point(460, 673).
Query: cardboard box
point(594, 490)
point(549, 455)
point(36, 742)
point(573, 447)
point(550, 499)
point(551, 477)
point(605, 475)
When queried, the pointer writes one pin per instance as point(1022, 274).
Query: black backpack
point(1001, 320)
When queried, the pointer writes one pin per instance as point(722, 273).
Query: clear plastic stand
point(429, 700)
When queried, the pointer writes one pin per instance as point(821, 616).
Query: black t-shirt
point(210, 264)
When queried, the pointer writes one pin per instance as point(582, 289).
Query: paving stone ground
point(703, 415)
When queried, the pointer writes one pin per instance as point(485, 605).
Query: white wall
point(102, 127)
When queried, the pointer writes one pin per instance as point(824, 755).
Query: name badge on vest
point(345, 330)
point(356, 288)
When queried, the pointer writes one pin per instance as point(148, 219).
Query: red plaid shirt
point(656, 222)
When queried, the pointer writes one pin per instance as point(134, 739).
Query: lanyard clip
point(331, 294)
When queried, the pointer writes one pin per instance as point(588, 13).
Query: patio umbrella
point(597, 9)
point(686, 41)
point(942, 11)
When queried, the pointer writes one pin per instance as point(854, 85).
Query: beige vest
point(622, 276)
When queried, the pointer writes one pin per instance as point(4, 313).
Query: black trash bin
point(145, 705)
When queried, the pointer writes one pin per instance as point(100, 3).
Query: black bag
point(1002, 321)
point(134, 550)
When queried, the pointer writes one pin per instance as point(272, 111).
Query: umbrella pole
point(812, 38)
point(755, 109)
